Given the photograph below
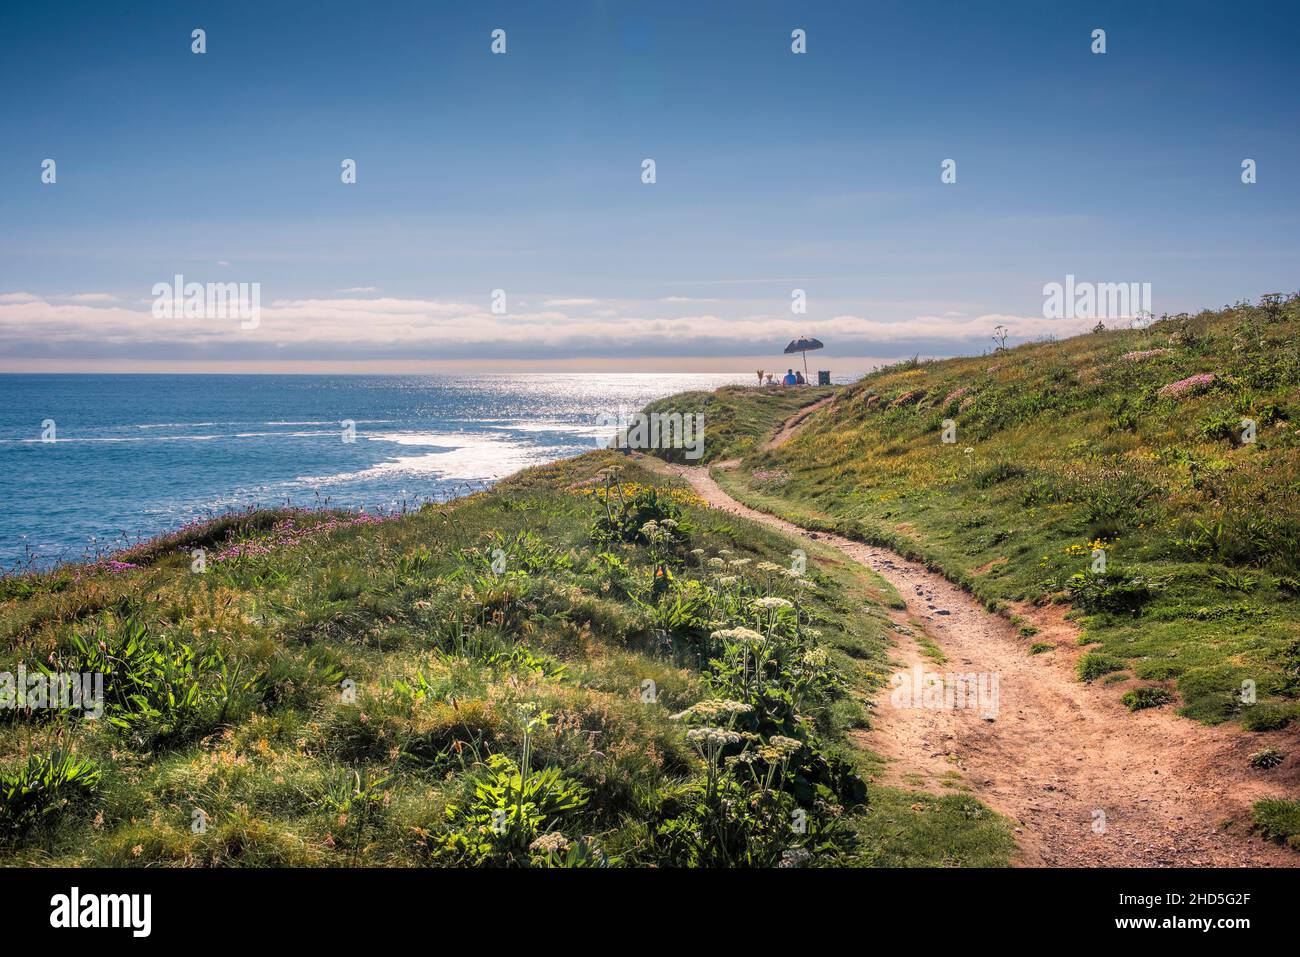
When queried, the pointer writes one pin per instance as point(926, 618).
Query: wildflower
point(713, 709)
point(795, 857)
point(697, 552)
point(805, 583)
point(768, 567)
point(713, 737)
point(1143, 354)
point(728, 580)
point(740, 636)
point(1189, 386)
point(772, 603)
point(553, 843)
point(815, 657)
point(654, 532)
point(738, 562)
point(784, 748)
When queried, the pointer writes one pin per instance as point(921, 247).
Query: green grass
point(906, 829)
point(1269, 715)
point(1068, 448)
point(929, 648)
point(1278, 820)
point(334, 693)
point(1140, 699)
point(1094, 665)
point(737, 419)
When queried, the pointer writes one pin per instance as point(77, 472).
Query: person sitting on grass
point(789, 378)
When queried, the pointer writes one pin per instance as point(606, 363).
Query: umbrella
point(804, 344)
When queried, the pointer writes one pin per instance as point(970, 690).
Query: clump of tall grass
point(48, 786)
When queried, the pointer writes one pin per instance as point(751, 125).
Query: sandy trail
point(1086, 782)
point(791, 425)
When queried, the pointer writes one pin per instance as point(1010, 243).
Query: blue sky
point(775, 171)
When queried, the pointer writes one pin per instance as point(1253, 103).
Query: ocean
point(135, 455)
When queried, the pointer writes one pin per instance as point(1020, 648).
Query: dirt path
point(791, 425)
point(1087, 783)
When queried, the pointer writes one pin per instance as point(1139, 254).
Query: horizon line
point(659, 365)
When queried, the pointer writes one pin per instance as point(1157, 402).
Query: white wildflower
point(795, 857)
point(712, 709)
point(815, 657)
point(739, 636)
point(779, 749)
point(553, 843)
point(713, 737)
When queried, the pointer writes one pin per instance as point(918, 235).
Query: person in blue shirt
point(789, 378)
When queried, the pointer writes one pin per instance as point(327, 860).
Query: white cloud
point(958, 327)
point(85, 326)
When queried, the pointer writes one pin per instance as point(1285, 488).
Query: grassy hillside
point(737, 420)
point(1113, 471)
point(581, 667)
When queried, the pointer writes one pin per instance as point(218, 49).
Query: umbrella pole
point(805, 369)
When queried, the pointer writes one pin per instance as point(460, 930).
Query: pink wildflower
point(1189, 386)
point(1143, 354)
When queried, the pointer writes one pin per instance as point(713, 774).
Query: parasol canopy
point(804, 344)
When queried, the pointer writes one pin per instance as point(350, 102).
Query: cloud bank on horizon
point(378, 328)
point(919, 172)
